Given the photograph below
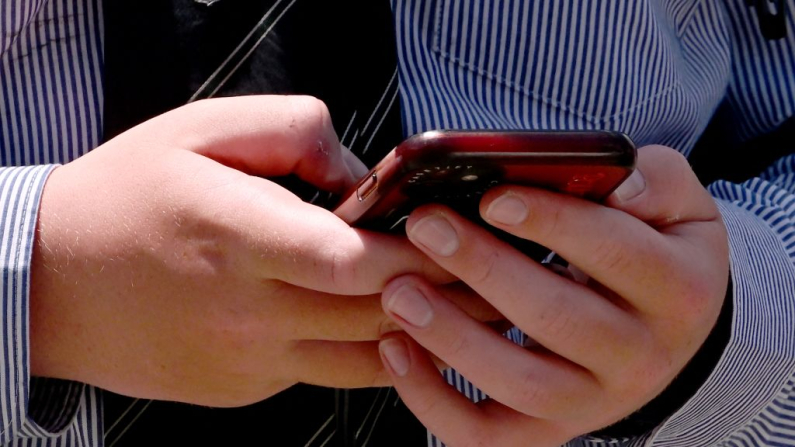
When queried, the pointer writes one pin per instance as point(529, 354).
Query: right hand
point(164, 268)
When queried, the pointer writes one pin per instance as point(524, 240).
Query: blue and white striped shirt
point(657, 70)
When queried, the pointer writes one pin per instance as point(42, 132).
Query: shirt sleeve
point(48, 410)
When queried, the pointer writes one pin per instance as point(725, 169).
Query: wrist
point(51, 287)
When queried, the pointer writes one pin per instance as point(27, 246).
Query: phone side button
point(367, 187)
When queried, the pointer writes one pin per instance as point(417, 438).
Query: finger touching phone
point(456, 167)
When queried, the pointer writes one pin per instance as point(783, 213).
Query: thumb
point(663, 190)
point(310, 247)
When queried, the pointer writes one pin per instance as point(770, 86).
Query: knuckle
point(313, 113)
point(200, 245)
point(678, 159)
point(455, 345)
point(314, 130)
point(610, 254)
point(694, 294)
point(683, 178)
point(697, 293)
point(530, 395)
point(337, 262)
point(426, 405)
point(557, 321)
point(701, 300)
point(660, 154)
point(678, 180)
point(341, 269)
point(486, 267)
point(646, 372)
point(646, 377)
point(624, 341)
point(549, 224)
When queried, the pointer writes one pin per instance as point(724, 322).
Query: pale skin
point(657, 257)
point(166, 266)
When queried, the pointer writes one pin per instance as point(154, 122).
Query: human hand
point(657, 258)
point(164, 268)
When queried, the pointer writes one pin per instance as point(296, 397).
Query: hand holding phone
point(456, 167)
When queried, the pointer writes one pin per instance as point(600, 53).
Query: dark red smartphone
point(456, 167)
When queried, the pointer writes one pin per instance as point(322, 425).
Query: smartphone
point(456, 167)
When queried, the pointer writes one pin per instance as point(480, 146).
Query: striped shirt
point(658, 70)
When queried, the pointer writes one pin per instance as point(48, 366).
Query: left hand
point(657, 256)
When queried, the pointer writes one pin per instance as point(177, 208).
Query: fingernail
point(632, 187)
point(435, 233)
point(507, 210)
point(396, 354)
point(410, 304)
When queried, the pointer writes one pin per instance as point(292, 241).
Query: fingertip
point(395, 355)
point(435, 233)
point(410, 305)
point(631, 188)
point(394, 284)
point(663, 189)
point(507, 209)
point(403, 356)
point(426, 392)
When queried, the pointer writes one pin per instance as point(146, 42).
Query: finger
point(280, 237)
point(537, 383)
point(264, 135)
point(618, 250)
point(328, 317)
point(337, 364)
point(562, 315)
point(663, 190)
point(448, 414)
point(423, 389)
point(471, 303)
point(342, 364)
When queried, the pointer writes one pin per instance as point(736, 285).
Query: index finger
point(310, 247)
point(264, 135)
point(450, 415)
point(327, 317)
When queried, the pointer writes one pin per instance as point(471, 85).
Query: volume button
point(367, 187)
